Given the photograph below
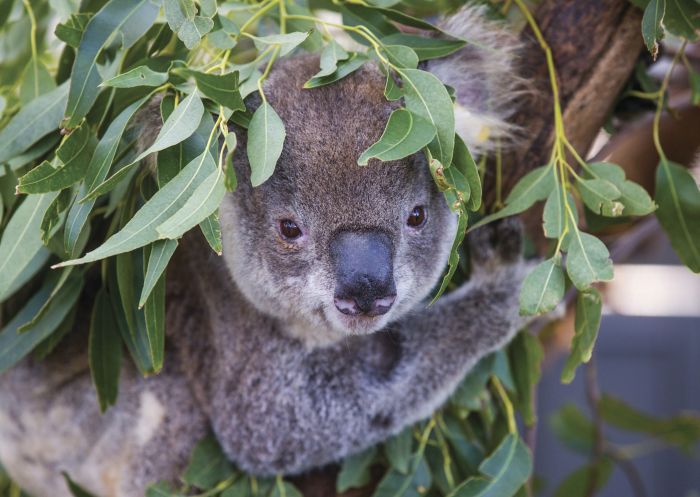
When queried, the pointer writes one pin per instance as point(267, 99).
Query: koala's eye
point(417, 217)
point(289, 229)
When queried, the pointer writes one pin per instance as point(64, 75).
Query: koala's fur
point(257, 353)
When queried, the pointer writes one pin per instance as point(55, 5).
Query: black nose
point(364, 272)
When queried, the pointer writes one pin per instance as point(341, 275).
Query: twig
point(630, 471)
point(593, 398)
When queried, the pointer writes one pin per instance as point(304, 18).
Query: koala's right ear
point(484, 76)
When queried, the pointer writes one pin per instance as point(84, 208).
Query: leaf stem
point(507, 404)
point(660, 102)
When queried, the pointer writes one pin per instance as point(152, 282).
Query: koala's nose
point(364, 272)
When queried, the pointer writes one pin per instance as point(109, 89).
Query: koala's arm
point(301, 411)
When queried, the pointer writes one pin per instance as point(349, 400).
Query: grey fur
point(256, 350)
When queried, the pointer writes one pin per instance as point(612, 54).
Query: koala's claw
point(496, 243)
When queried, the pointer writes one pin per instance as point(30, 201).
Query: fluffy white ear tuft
point(484, 77)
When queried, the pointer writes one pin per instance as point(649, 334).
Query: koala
point(310, 339)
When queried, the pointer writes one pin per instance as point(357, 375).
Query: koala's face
point(329, 247)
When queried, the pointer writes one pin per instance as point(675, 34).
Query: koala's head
point(329, 247)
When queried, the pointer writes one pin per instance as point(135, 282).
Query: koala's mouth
point(358, 323)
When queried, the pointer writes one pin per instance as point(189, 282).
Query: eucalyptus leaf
point(21, 239)
point(14, 346)
point(355, 470)
point(652, 28)
point(105, 351)
point(97, 171)
point(678, 197)
point(588, 260)
point(286, 42)
point(425, 48)
point(131, 19)
point(534, 186)
point(266, 136)
point(221, 88)
point(464, 162)
point(181, 124)
point(398, 450)
point(330, 56)
point(600, 196)
point(71, 31)
point(453, 260)
point(161, 252)
point(205, 200)
point(138, 76)
point(73, 159)
point(505, 471)
point(35, 81)
point(344, 68)
point(588, 313)
point(208, 465)
point(414, 484)
point(427, 97)
point(34, 121)
point(543, 288)
point(405, 134)
point(141, 229)
point(211, 229)
point(526, 355)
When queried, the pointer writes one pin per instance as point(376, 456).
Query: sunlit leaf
point(543, 288)
point(405, 134)
point(138, 76)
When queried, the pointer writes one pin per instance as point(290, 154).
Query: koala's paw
point(495, 245)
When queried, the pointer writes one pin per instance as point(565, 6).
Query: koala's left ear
point(484, 76)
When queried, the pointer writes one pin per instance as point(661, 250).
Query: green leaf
point(330, 56)
point(141, 229)
point(208, 465)
point(354, 472)
point(634, 198)
point(205, 200)
point(678, 197)
point(266, 136)
point(600, 196)
point(181, 124)
point(694, 78)
point(53, 218)
point(286, 42)
point(21, 240)
point(405, 134)
point(72, 30)
point(75, 489)
point(399, 450)
point(425, 48)
point(414, 484)
point(230, 179)
point(344, 68)
point(97, 171)
point(401, 56)
point(221, 88)
point(158, 259)
point(13, 345)
point(35, 82)
point(426, 96)
point(129, 18)
point(588, 260)
point(453, 260)
point(555, 214)
point(506, 470)
point(534, 186)
point(154, 314)
point(105, 351)
point(683, 18)
point(573, 429)
point(34, 121)
point(73, 158)
point(464, 162)
point(138, 76)
point(588, 312)
point(682, 430)
point(579, 483)
point(526, 355)
point(211, 229)
point(543, 288)
point(652, 29)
